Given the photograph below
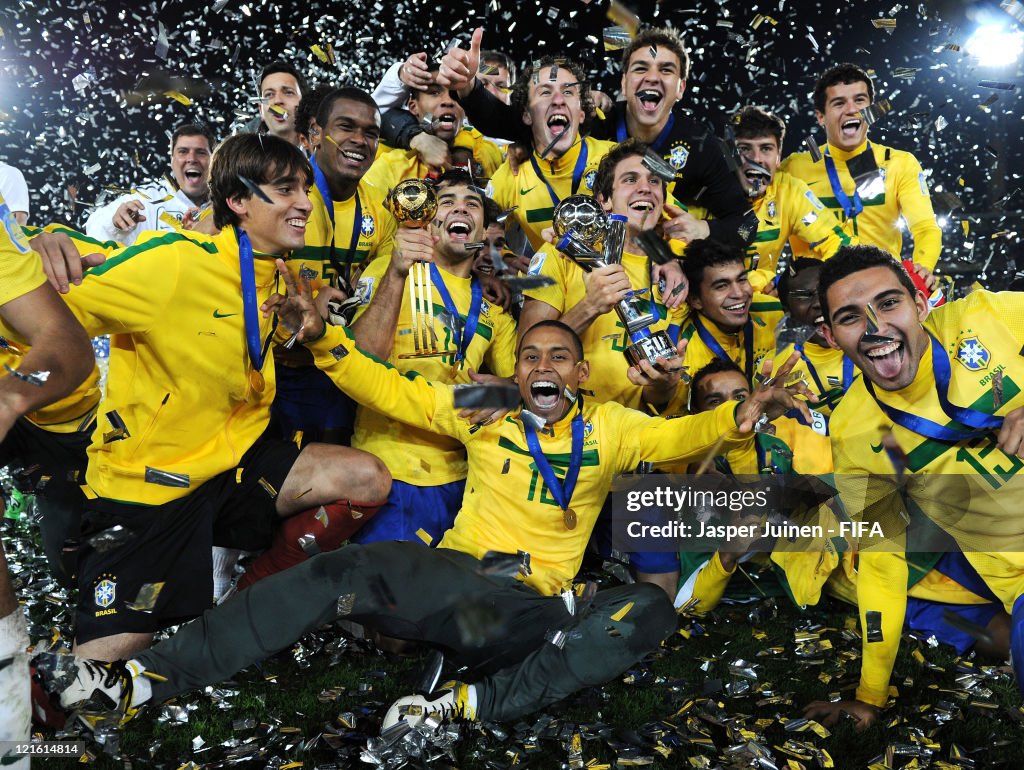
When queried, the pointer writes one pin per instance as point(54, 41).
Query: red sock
point(306, 534)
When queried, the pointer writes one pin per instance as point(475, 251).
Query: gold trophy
point(413, 204)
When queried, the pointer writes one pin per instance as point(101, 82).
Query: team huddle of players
point(864, 375)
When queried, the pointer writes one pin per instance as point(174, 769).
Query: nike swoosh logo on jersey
point(878, 448)
point(218, 314)
point(526, 191)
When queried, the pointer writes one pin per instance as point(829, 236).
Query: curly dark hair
point(604, 181)
point(840, 74)
point(852, 259)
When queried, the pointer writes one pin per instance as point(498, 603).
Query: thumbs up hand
point(459, 66)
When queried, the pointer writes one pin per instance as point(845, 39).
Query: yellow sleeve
point(133, 289)
point(812, 222)
point(501, 355)
point(375, 384)
point(549, 262)
point(381, 174)
point(680, 439)
point(706, 585)
point(882, 565)
point(760, 278)
point(368, 282)
point(21, 269)
point(83, 242)
point(882, 605)
point(916, 207)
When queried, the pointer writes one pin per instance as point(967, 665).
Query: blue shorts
point(925, 617)
point(309, 401)
point(651, 562)
point(410, 509)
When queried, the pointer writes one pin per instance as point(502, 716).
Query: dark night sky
point(93, 137)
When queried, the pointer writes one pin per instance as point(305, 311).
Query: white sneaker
point(454, 701)
point(106, 685)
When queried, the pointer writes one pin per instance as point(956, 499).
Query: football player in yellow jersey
point(828, 371)
point(60, 358)
point(784, 205)
point(515, 502)
point(793, 448)
point(347, 227)
point(428, 471)
point(728, 319)
point(181, 459)
point(934, 427)
point(890, 183)
point(585, 301)
point(553, 97)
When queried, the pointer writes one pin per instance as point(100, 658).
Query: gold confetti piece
point(146, 598)
point(238, 475)
point(154, 676)
point(423, 535)
point(759, 19)
point(268, 487)
point(624, 17)
point(179, 97)
point(302, 494)
point(883, 23)
point(319, 53)
point(623, 612)
point(279, 110)
point(291, 765)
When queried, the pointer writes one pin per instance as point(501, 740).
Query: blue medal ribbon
point(748, 345)
point(250, 310)
point(850, 208)
point(560, 490)
point(320, 180)
point(472, 318)
point(847, 371)
point(577, 172)
point(978, 423)
point(621, 134)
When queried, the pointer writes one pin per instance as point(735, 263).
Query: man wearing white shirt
point(159, 204)
point(14, 191)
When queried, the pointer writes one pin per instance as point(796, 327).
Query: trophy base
point(429, 354)
point(650, 349)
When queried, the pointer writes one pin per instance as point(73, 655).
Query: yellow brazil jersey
point(180, 405)
point(536, 196)
point(353, 243)
point(73, 412)
point(414, 455)
point(758, 338)
point(968, 487)
point(507, 507)
point(905, 194)
point(605, 339)
point(827, 372)
point(789, 208)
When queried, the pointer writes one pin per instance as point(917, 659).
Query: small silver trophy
point(582, 227)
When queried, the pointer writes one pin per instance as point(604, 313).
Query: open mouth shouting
point(446, 121)
point(558, 124)
point(545, 395)
point(193, 175)
point(650, 99)
point(850, 128)
point(458, 230)
point(885, 358)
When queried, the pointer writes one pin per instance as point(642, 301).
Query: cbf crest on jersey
point(367, 227)
point(13, 229)
point(589, 179)
point(677, 158)
point(972, 354)
point(773, 210)
point(105, 591)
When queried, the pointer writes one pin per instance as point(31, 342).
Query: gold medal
point(256, 381)
point(569, 518)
